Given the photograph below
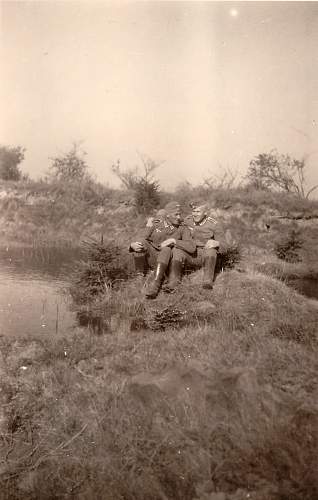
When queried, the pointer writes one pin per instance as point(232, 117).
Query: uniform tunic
point(161, 231)
point(153, 236)
point(201, 232)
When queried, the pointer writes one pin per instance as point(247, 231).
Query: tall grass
point(199, 394)
point(57, 211)
point(103, 265)
point(225, 403)
point(47, 211)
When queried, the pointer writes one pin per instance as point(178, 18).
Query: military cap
point(160, 213)
point(199, 204)
point(172, 206)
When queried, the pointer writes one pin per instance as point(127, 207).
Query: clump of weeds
point(288, 247)
point(188, 413)
point(103, 266)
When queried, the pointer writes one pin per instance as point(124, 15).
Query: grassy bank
point(59, 213)
point(220, 406)
point(44, 215)
point(198, 395)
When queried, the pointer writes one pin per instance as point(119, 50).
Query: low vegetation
point(288, 248)
point(197, 395)
point(279, 172)
point(101, 267)
point(218, 404)
point(141, 182)
point(10, 159)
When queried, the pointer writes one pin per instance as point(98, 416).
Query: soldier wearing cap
point(202, 228)
point(157, 243)
point(158, 217)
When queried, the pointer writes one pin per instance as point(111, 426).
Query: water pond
point(33, 290)
point(305, 286)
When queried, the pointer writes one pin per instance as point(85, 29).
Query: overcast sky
point(193, 84)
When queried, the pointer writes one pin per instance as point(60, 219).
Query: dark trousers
point(151, 256)
point(196, 260)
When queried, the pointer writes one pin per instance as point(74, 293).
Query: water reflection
point(305, 286)
point(32, 281)
point(94, 322)
point(39, 261)
point(32, 298)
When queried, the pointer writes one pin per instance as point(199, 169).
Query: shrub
point(103, 266)
point(279, 172)
point(287, 248)
point(228, 257)
point(70, 166)
point(146, 195)
point(145, 188)
point(10, 158)
point(168, 317)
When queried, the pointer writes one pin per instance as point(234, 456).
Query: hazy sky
point(196, 84)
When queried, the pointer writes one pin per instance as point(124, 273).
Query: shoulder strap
point(209, 218)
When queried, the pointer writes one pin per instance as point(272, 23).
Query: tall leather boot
point(141, 264)
point(208, 271)
point(154, 287)
point(175, 276)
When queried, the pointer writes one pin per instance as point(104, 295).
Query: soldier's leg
point(209, 262)
point(205, 258)
point(178, 259)
point(142, 259)
point(163, 259)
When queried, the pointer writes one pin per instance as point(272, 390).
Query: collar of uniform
point(201, 222)
point(167, 225)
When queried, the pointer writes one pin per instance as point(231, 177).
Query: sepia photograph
point(158, 250)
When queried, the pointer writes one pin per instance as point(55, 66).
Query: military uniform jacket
point(162, 230)
point(201, 231)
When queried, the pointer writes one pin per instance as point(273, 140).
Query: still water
point(305, 286)
point(33, 291)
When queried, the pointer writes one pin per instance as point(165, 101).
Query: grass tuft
point(288, 248)
point(199, 394)
point(103, 267)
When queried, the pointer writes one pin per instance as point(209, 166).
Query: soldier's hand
point(170, 242)
point(212, 244)
point(137, 246)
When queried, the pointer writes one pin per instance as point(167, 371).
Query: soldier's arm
point(211, 232)
point(144, 234)
point(209, 240)
point(212, 244)
point(205, 234)
point(147, 232)
point(213, 241)
point(186, 242)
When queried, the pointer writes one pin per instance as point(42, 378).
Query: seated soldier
point(157, 218)
point(202, 228)
point(157, 242)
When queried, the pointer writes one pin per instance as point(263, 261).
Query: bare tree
point(130, 177)
point(144, 185)
point(279, 172)
point(225, 179)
